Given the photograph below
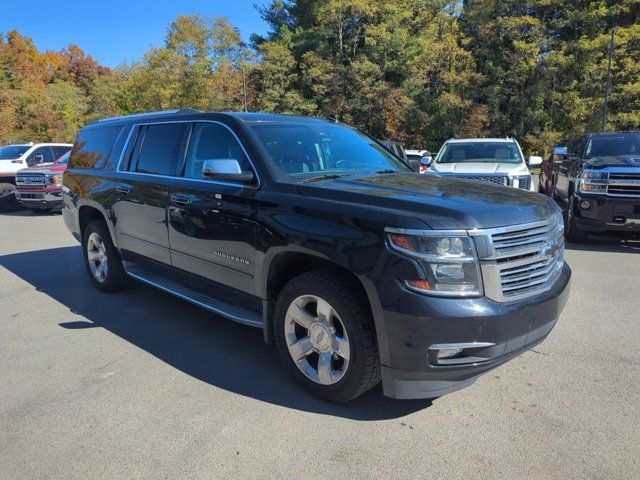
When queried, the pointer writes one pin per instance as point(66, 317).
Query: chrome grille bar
point(522, 260)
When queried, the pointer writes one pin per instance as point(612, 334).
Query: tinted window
point(211, 141)
point(11, 152)
point(41, 155)
point(60, 151)
point(614, 145)
point(301, 150)
point(64, 159)
point(160, 148)
point(93, 146)
point(480, 152)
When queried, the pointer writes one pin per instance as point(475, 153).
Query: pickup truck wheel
point(571, 232)
point(8, 201)
point(102, 259)
point(325, 337)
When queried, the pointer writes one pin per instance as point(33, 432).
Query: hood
point(619, 161)
point(480, 168)
point(46, 167)
point(442, 202)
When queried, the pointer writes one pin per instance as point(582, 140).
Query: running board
point(232, 312)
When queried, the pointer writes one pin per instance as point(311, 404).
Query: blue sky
point(115, 31)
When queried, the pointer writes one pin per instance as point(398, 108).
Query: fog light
point(585, 205)
point(448, 352)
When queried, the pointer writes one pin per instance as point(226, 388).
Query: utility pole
point(608, 87)
point(244, 90)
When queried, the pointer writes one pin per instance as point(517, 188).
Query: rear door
point(146, 172)
point(212, 224)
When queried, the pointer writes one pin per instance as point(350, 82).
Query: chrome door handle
point(180, 199)
point(124, 189)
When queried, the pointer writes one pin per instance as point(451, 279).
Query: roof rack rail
point(144, 114)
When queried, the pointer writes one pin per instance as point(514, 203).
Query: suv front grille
point(524, 181)
point(496, 179)
point(30, 181)
point(522, 260)
point(623, 184)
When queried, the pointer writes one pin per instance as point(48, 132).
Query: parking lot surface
point(143, 385)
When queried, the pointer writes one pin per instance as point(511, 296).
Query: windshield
point(63, 159)
point(304, 150)
point(11, 152)
point(482, 152)
point(614, 145)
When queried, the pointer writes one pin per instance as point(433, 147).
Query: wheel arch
point(89, 212)
point(287, 264)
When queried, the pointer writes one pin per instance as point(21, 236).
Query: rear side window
point(160, 148)
point(93, 147)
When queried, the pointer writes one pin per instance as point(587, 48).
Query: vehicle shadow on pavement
point(210, 348)
point(607, 243)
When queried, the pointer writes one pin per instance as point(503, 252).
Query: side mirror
point(534, 160)
point(226, 169)
point(426, 161)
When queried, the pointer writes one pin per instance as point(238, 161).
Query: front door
point(211, 223)
point(143, 191)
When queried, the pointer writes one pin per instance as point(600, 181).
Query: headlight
point(55, 180)
point(593, 182)
point(448, 262)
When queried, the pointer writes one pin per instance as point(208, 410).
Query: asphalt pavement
point(140, 384)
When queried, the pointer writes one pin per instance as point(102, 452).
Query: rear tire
point(102, 260)
point(332, 337)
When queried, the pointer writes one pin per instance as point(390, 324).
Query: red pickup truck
point(40, 188)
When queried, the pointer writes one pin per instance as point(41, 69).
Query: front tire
point(325, 337)
point(102, 259)
point(571, 231)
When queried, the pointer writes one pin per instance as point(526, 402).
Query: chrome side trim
point(184, 296)
point(447, 346)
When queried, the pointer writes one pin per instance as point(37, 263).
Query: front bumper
point(46, 199)
point(607, 213)
point(511, 328)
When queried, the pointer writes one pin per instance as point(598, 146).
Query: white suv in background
point(492, 160)
point(19, 156)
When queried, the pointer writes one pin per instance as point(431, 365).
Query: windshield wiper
point(327, 176)
point(388, 170)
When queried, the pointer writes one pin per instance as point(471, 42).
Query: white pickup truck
point(19, 156)
point(493, 160)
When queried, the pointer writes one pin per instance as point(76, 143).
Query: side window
point(160, 148)
point(212, 141)
point(93, 147)
point(41, 155)
point(60, 151)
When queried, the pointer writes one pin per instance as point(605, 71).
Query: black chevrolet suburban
point(354, 266)
point(598, 182)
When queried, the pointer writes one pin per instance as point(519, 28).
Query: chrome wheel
point(317, 339)
point(97, 257)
